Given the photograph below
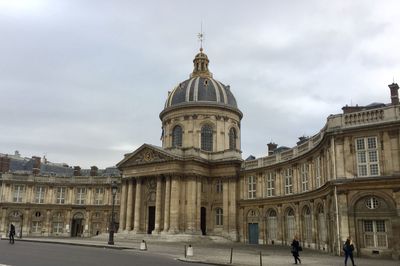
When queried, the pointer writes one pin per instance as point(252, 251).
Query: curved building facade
point(343, 181)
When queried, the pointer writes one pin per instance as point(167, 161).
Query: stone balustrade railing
point(335, 122)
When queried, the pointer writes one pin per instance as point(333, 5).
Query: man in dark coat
point(295, 248)
point(12, 233)
point(348, 249)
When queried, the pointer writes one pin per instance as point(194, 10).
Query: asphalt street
point(46, 254)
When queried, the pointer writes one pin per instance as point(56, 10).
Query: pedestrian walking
point(348, 249)
point(12, 233)
point(295, 249)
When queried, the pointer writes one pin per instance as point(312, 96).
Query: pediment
point(146, 154)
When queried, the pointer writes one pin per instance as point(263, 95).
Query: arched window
point(290, 225)
point(207, 138)
point(272, 226)
point(307, 225)
point(218, 216)
point(232, 139)
point(321, 225)
point(177, 137)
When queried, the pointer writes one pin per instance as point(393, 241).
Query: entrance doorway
point(152, 219)
point(77, 225)
point(253, 233)
point(203, 224)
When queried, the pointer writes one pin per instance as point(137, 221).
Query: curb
point(73, 244)
point(204, 262)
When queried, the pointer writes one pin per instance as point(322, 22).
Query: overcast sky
point(83, 82)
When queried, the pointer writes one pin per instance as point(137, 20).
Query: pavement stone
point(219, 253)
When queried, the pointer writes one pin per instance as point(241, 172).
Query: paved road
point(44, 254)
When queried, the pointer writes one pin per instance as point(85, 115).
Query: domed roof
point(201, 87)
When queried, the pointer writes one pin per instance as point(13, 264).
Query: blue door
point(253, 233)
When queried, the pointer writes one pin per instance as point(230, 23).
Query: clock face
point(147, 156)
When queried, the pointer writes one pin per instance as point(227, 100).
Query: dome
point(201, 87)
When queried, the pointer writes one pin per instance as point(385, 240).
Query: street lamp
point(114, 188)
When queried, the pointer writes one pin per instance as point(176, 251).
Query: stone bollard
point(143, 245)
point(190, 251)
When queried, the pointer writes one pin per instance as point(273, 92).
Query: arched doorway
point(252, 220)
point(77, 225)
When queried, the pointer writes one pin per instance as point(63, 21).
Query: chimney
point(77, 171)
point(36, 165)
point(4, 164)
point(93, 171)
point(394, 93)
point(271, 147)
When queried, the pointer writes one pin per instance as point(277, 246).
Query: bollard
point(184, 252)
point(143, 245)
point(190, 251)
point(260, 259)
point(230, 261)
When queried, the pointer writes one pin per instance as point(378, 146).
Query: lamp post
point(114, 188)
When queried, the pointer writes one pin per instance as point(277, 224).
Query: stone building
point(49, 199)
point(345, 180)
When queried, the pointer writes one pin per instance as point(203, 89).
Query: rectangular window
point(39, 194)
point(375, 234)
point(288, 181)
point(304, 177)
point(18, 193)
point(251, 187)
point(318, 182)
point(98, 196)
point(219, 186)
point(60, 197)
point(36, 227)
point(57, 227)
point(219, 217)
point(80, 195)
point(367, 156)
point(270, 184)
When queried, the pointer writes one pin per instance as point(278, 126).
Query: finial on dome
point(201, 60)
point(201, 37)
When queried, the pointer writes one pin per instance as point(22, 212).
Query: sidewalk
point(218, 253)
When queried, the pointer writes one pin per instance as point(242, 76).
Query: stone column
point(174, 210)
point(190, 207)
point(129, 207)
point(167, 203)
point(48, 223)
point(138, 203)
point(122, 209)
point(225, 204)
point(198, 205)
point(158, 206)
point(233, 233)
